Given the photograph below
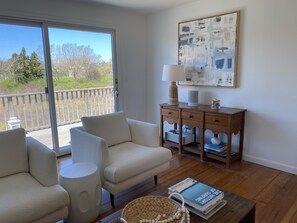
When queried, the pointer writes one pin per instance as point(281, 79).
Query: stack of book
point(200, 198)
point(219, 150)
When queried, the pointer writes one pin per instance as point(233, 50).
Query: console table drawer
point(195, 116)
point(170, 113)
point(213, 119)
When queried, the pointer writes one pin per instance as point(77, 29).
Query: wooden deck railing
point(32, 109)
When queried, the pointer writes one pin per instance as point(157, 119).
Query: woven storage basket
point(155, 208)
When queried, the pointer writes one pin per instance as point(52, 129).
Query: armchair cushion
point(24, 199)
point(130, 159)
point(13, 152)
point(112, 127)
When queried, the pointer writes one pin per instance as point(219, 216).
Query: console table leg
point(228, 157)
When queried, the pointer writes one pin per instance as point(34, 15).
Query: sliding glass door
point(82, 72)
point(23, 80)
point(51, 76)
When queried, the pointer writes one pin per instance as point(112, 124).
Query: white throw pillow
point(13, 152)
point(112, 127)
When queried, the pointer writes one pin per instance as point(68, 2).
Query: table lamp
point(173, 73)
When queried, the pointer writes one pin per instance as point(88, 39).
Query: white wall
point(267, 73)
point(130, 32)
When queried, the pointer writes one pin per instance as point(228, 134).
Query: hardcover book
point(222, 154)
point(206, 215)
point(197, 194)
point(217, 148)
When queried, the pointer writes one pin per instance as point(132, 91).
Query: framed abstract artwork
point(208, 49)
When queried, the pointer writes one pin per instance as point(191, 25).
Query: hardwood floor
point(274, 191)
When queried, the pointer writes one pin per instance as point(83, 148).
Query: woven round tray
point(154, 209)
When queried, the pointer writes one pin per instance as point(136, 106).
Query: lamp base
point(172, 101)
point(173, 94)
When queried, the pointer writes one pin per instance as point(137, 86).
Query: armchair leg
point(156, 179)
point(111, 196)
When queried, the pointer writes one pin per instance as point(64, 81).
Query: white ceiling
point(142, 6)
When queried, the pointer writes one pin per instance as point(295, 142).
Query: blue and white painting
point(207, 49)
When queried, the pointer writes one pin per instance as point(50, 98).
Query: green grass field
point(9, 86)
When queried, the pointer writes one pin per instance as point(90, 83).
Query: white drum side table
point(82, 182)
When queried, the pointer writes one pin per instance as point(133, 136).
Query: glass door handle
point(117, 93)
point(116, 88)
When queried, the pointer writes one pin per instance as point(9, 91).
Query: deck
point(45, 135)
point(31, 111)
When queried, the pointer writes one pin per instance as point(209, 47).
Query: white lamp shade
point(173, 73)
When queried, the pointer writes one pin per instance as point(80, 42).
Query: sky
point(14, 37)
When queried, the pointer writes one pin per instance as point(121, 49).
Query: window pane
point(83, 77)
point(22, 81)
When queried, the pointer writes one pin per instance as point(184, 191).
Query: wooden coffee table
point(237, 209)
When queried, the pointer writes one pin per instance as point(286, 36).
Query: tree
point(75, 61)
point(26, 68)
point(5, 69)
point(35, 67)
point(19, 66)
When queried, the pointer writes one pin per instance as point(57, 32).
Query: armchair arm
point(42, 162)
point(86, 147)
point(144, 133)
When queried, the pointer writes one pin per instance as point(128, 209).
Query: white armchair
point(126, 151)
point(29, 190)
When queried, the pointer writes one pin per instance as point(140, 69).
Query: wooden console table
point(227, 120)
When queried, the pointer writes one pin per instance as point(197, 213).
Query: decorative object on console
point(215, 140)
point(215, 104)
point(193, 98)
point(173, 136)
point(173, 73)
point(208, 48)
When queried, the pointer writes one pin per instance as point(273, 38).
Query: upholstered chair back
point(112, 127)
point(13, 152)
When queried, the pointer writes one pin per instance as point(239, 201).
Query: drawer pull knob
point(169, 113)
point(216, 120)
point(191, 116)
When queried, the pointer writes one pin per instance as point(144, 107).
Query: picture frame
point(208, 48)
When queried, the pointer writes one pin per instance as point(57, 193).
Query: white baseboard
point(271, 164)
